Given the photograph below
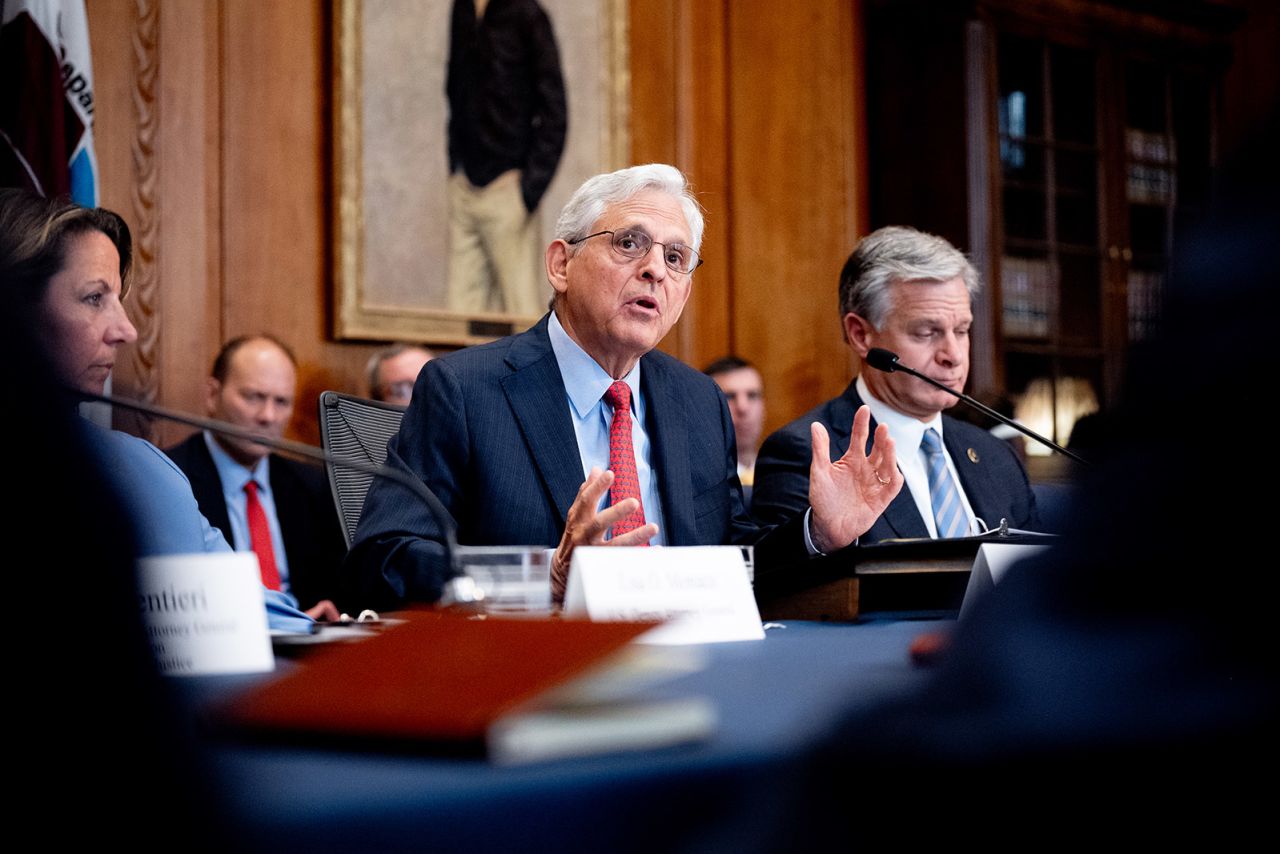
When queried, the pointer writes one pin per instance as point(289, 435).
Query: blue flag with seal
point(46, 119)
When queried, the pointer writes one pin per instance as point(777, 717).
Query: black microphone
point(448, 527)
point(887, 361)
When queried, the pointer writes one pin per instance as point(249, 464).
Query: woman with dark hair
point(69, 267)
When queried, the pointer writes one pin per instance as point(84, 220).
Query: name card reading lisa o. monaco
point(702, 590)
point(204, 613)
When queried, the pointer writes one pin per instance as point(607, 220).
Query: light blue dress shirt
point(234, 476)
point(165, 515)
point(585, 383)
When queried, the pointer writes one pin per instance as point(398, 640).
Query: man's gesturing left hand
point(848, 495)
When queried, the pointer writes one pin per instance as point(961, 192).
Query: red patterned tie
point(622, 459)
point(260, 537)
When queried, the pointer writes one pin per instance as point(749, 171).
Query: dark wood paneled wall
point(213, 132)
point(799, 192)
point(213, 137)
point(763, 108)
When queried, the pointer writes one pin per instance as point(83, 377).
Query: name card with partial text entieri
point(204, 613)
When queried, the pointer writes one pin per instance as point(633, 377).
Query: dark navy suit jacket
point(990, 473)
point(313, 540)
point(489, 432)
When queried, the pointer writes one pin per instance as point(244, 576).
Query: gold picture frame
point(390, 160)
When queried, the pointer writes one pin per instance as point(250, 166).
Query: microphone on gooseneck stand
point(887, 361)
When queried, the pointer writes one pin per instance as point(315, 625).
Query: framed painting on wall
point(391, 212)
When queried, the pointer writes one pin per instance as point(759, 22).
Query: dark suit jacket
point(488, 430)
point(507, 106)
point(313, 541)
point(992, 476)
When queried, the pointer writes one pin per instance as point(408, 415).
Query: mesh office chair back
point(356, 429)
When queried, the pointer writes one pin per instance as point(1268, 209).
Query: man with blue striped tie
point(911, 293)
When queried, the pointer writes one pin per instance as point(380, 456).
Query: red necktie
point(260, 537)
point(622, 459)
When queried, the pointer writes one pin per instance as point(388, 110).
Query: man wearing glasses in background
point(578, 432)
point(392, 371)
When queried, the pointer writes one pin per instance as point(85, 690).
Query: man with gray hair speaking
point(908, 292)
point(578, 432)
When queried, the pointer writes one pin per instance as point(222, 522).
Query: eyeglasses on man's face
point(396, 391)
point(633, 243)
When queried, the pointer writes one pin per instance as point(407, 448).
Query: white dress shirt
point(907, 433)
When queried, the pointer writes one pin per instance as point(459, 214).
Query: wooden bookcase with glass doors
point(1065, 146)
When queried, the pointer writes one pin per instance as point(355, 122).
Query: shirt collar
point(906, 432)
point(584, 379)
point(233, 475)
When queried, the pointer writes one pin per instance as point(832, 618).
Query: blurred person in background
point(393, 370)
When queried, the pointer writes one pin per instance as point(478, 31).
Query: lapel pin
point(973, 455)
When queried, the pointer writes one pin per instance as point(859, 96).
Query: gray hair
point(374, 366)
point(590, 200)
point(893, 254)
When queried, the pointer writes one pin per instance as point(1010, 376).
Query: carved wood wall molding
point(145, 220)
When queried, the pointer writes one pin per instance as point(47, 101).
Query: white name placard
point(204, 613)
point(989, 566)
point(703, 591)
